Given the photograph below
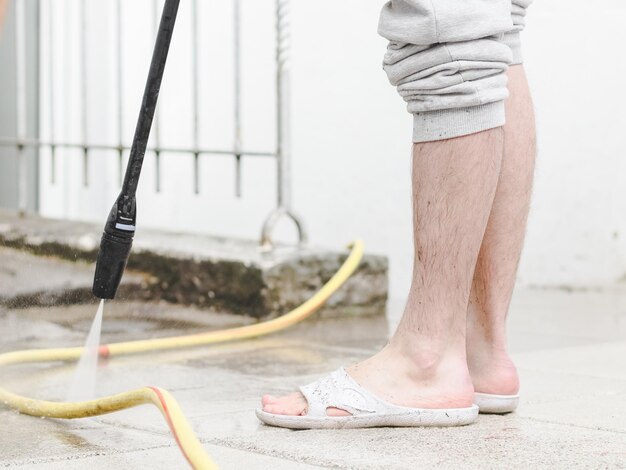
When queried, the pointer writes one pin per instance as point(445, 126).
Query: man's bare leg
point(490, 366)
point(424, 365)
point(3, 8)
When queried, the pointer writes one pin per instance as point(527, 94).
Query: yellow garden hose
point(183, 433)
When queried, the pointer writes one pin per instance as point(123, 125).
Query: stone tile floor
point(570, 348)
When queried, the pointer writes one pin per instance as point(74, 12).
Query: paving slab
point(26, 439)
point(550, 386)
point(571, 415)
point(165, 458)
point(605, 411)
point(593, 360)
point(123, 321)
point(493, 443)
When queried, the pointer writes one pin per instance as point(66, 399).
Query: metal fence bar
point(283, 131)
point(283, 44)
point(83, 90)
point(31, 142)
point(282, 152)
point(237, 93)
point(51, 70)
point(20, 108)
point(120, 94)
point(195, 95)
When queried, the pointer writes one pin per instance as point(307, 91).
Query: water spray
point(119, 229)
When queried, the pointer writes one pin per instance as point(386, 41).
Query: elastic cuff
point(514, 41)
point(449, 123)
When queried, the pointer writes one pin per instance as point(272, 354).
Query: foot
point(399, 379)
point(493, 371)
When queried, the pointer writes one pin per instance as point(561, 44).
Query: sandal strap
point(339, 390)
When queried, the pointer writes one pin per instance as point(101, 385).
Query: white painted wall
point(351, 135)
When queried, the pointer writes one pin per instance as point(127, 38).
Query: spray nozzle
point(115, 246)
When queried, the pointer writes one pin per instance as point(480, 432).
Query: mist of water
point(83, 385)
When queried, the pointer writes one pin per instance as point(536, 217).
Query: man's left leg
point(489, 363)
point(488, 359)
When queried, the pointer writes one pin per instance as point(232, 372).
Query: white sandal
point(496, 404)
point(339, 390)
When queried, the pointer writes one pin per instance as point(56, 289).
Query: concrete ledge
point(211, 272)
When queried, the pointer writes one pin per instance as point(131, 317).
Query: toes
point(271, 409)
point(282, 410)
point(267, 399)
point(293, 405)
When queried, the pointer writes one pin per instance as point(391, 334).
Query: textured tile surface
point(570, 349)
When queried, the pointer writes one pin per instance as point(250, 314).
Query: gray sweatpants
point(448, 60)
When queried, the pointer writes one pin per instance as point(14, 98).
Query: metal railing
point(21, 141)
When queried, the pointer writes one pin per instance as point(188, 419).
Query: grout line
point(228, 445)
point(572, 425)
point(101, 453)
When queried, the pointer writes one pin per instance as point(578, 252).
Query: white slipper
point(496, 404)
point(339, 390)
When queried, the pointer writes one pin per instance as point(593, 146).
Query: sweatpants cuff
point(449, 123)
point(514, 42)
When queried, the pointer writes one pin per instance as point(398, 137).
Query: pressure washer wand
point(119, 229)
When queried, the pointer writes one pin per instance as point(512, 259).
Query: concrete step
point(224, 274)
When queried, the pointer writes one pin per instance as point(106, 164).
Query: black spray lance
point(119, 230)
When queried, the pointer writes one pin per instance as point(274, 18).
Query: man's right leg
point(424, 365)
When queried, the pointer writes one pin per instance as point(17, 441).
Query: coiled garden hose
point(181, 429)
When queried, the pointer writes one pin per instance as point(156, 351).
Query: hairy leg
point(490, 366)
point(3, 8)
point(424, 364)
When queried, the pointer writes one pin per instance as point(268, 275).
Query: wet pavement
point(26, 280)
point(570, 348)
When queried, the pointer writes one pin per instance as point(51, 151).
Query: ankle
point(429, 360)
point(483, 341)
point(427, 380)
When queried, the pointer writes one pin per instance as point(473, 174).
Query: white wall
point(577, 232)
point(351, 135)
